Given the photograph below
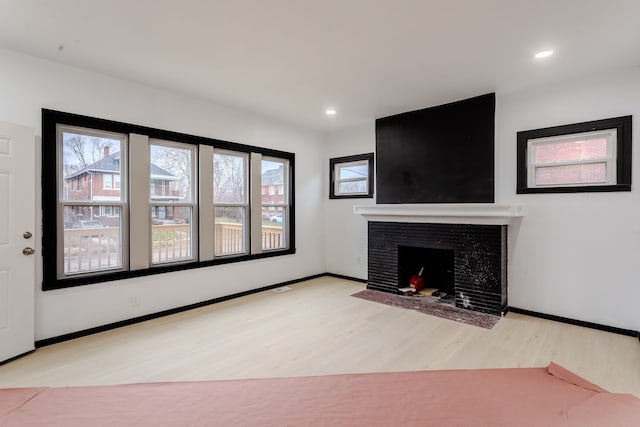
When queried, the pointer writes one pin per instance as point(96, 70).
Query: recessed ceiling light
point(543, 54)
point(330, 112)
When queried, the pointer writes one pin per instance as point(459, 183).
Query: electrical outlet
point(358, 260)
point(134, 300)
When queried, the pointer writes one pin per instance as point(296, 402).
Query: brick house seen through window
point(100, 182)
point(272, 194)
point(580, 157)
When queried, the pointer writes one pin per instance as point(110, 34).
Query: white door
point(17, 220)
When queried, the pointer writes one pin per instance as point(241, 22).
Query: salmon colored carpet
point(549, 396)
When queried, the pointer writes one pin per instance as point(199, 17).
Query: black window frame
point(623, 126)
point(52, 118)
point(369, 157)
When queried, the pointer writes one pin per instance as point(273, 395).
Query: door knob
point(27, 235)
point(28, 251)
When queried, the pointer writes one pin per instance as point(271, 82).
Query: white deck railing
point(94, 249)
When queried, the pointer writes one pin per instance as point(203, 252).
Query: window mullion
point(352, 179)
point(139, 218)
point(572, 162)
point(94, 203)
point(207, 228)
point(255, 203)
point(172, 204)
point(230, 205)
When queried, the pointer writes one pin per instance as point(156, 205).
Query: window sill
point(575, 189)
point(71, 282)
point(351, 196)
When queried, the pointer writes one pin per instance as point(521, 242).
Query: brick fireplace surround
point(477, 235)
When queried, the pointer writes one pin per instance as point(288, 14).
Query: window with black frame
point(583, 157)
point(126, 200)
point(351, 177)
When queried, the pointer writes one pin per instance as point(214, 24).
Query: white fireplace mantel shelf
point(481, 213)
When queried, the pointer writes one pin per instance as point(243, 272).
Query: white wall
point(346, 233)
point(573, 255)
point(28, 84)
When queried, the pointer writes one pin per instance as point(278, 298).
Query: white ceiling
point(292, 59)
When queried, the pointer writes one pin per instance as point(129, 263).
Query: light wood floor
point(316, 328)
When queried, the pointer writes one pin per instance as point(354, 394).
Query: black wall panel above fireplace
point(442, 154)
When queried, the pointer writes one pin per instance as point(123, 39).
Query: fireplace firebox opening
point(435, 266)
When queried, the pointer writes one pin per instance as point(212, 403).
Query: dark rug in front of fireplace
point(426, 306)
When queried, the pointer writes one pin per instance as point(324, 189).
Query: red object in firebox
point(417, 281)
